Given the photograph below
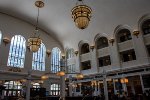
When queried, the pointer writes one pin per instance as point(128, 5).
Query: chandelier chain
point(79, 2)
point(37, 19)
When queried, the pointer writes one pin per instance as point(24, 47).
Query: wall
point(10, 26)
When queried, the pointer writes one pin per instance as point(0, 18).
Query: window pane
point(17, 51)
point(55, 90)
point(38, 60)
point(86, 65)
point(128, 55)
point(124, 35)
point(85, 48)
point(55, 60)
point(102, 42)
point(146, 27)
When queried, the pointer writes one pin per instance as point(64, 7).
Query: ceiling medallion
point(81, 14)
point(35, 41)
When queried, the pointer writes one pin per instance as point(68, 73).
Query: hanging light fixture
point(81, 14)
point(60, 73)
point(35, 41)
point(124, 80)
point(79, 76)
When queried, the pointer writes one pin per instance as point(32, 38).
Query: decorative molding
point(15, 69)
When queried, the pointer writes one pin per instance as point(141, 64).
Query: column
point(140, 51)
point(94, 64)
point(47, 85)
point(4, 52)
point(70, 86)
point(114, 52)
point(62, 80)
point(114, 80)
point(98, 86)
point(77, 62)
point(124, 87)
point(80, 84)
point(62, 87)
point(105, 87)
point(50, 87)
point(28, 85)
point(132, 86)
point(142, 83)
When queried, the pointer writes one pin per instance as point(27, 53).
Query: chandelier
point(81, 14)
point(35, 41)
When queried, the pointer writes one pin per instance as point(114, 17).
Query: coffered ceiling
point(55, 18)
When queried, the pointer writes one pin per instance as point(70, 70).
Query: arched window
point(146, 27)
point(102, 42)
point(0, 37)
point(55, 89)
point(70, 53)
point(55, 60)
point(38, 60)
point(85, 48)
point(123, 35)
point(17, 51)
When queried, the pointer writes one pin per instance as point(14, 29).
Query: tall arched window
point(0, 37)
point(17, 51)
point(102, 42)
point(123, 35)
point(146, 27)
point(38, 60)
point(55, 60)
point(70, 53)
point(85, 48)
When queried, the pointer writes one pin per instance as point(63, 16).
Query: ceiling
point(55, 18)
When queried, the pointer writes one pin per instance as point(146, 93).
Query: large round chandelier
point(34, 42)
point(81, 14)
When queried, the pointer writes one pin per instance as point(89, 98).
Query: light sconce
point(23, 80)
point(92, 47)
point(136, 33)
point(28, 47)
point(76, 53)
point(63, 57)
point(44, 77)
point(6, 40)
point(48, 52)
point(111, 41)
